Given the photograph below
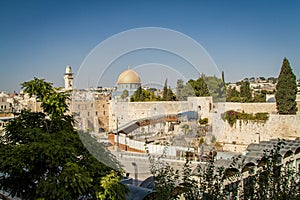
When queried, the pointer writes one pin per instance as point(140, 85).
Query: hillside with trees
point(42, 156)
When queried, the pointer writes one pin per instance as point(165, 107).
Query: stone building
point(83, 110)
point(102, 102)
point(91, 110)
point(5, 106)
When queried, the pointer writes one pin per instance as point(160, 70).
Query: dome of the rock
point(129, 77)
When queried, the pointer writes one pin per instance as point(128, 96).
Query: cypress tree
point(165, 91)
point(286, 90)
point(245, 92)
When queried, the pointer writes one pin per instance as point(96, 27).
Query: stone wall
point(241, 134)
point(128, 111)
point(84, 114)
point(102, 110)
point(246, 107)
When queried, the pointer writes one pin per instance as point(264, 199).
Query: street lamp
point(135, 173)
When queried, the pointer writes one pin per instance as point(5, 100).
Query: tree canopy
point(232, 95)
point(168, 94)
point(286, 90)
point(143, 95)
point(216, 87)
point(245, 92)
point(183, 90)
point(42, 156)
point(200, 87)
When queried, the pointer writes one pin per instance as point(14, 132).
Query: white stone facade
point(125, 112)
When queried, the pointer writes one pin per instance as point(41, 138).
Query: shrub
point(203, 121)
point(232, 116)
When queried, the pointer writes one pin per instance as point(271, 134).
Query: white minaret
point(68, 77)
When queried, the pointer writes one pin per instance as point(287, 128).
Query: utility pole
point(117, 134)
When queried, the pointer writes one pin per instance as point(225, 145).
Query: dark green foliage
point(42, 155)
point(138, 95)
point(54, 103)
point(200, 87)
point(113, 188)
point(232, 116)
point(189, 185)
point(223, 77)
point(232, 95)
point(260, 97)
point(168, 94)
point(98, 151)
point(216, 87)
point(245, 92)
point(165, 91)
point(165, 178)
point(275, 181)
point(272, 80)
point(272, 180)
point(38, 161)
point(148, 95)
point(143, 95)
point(286, 90)
point(183, 91)
point(203, 121)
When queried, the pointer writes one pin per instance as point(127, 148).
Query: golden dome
point(129, 76)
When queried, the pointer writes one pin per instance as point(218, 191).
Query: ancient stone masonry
point(237, 137)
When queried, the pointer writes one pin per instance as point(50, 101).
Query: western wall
point(237, 137)
point(125, 112)
point(232, 138)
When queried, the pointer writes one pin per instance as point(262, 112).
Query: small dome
point(68, 70)
point(129, 76)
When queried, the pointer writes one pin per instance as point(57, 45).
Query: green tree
point(260, 97)
point(245, 92)
point(113, 188)
point(170, 95)
point(42, 156)
point(183, 91)
point(138, 95)
point(216, 87)
point(232, 95)
point(124, 94)
point(223, 77)
point(179, 89)
point(271, 180)
point(286, 90)
point(54, 102)
point(200, 87)
point(165, 91)
point(143, 95)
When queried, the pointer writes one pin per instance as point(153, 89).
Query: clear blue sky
point(245, 38)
